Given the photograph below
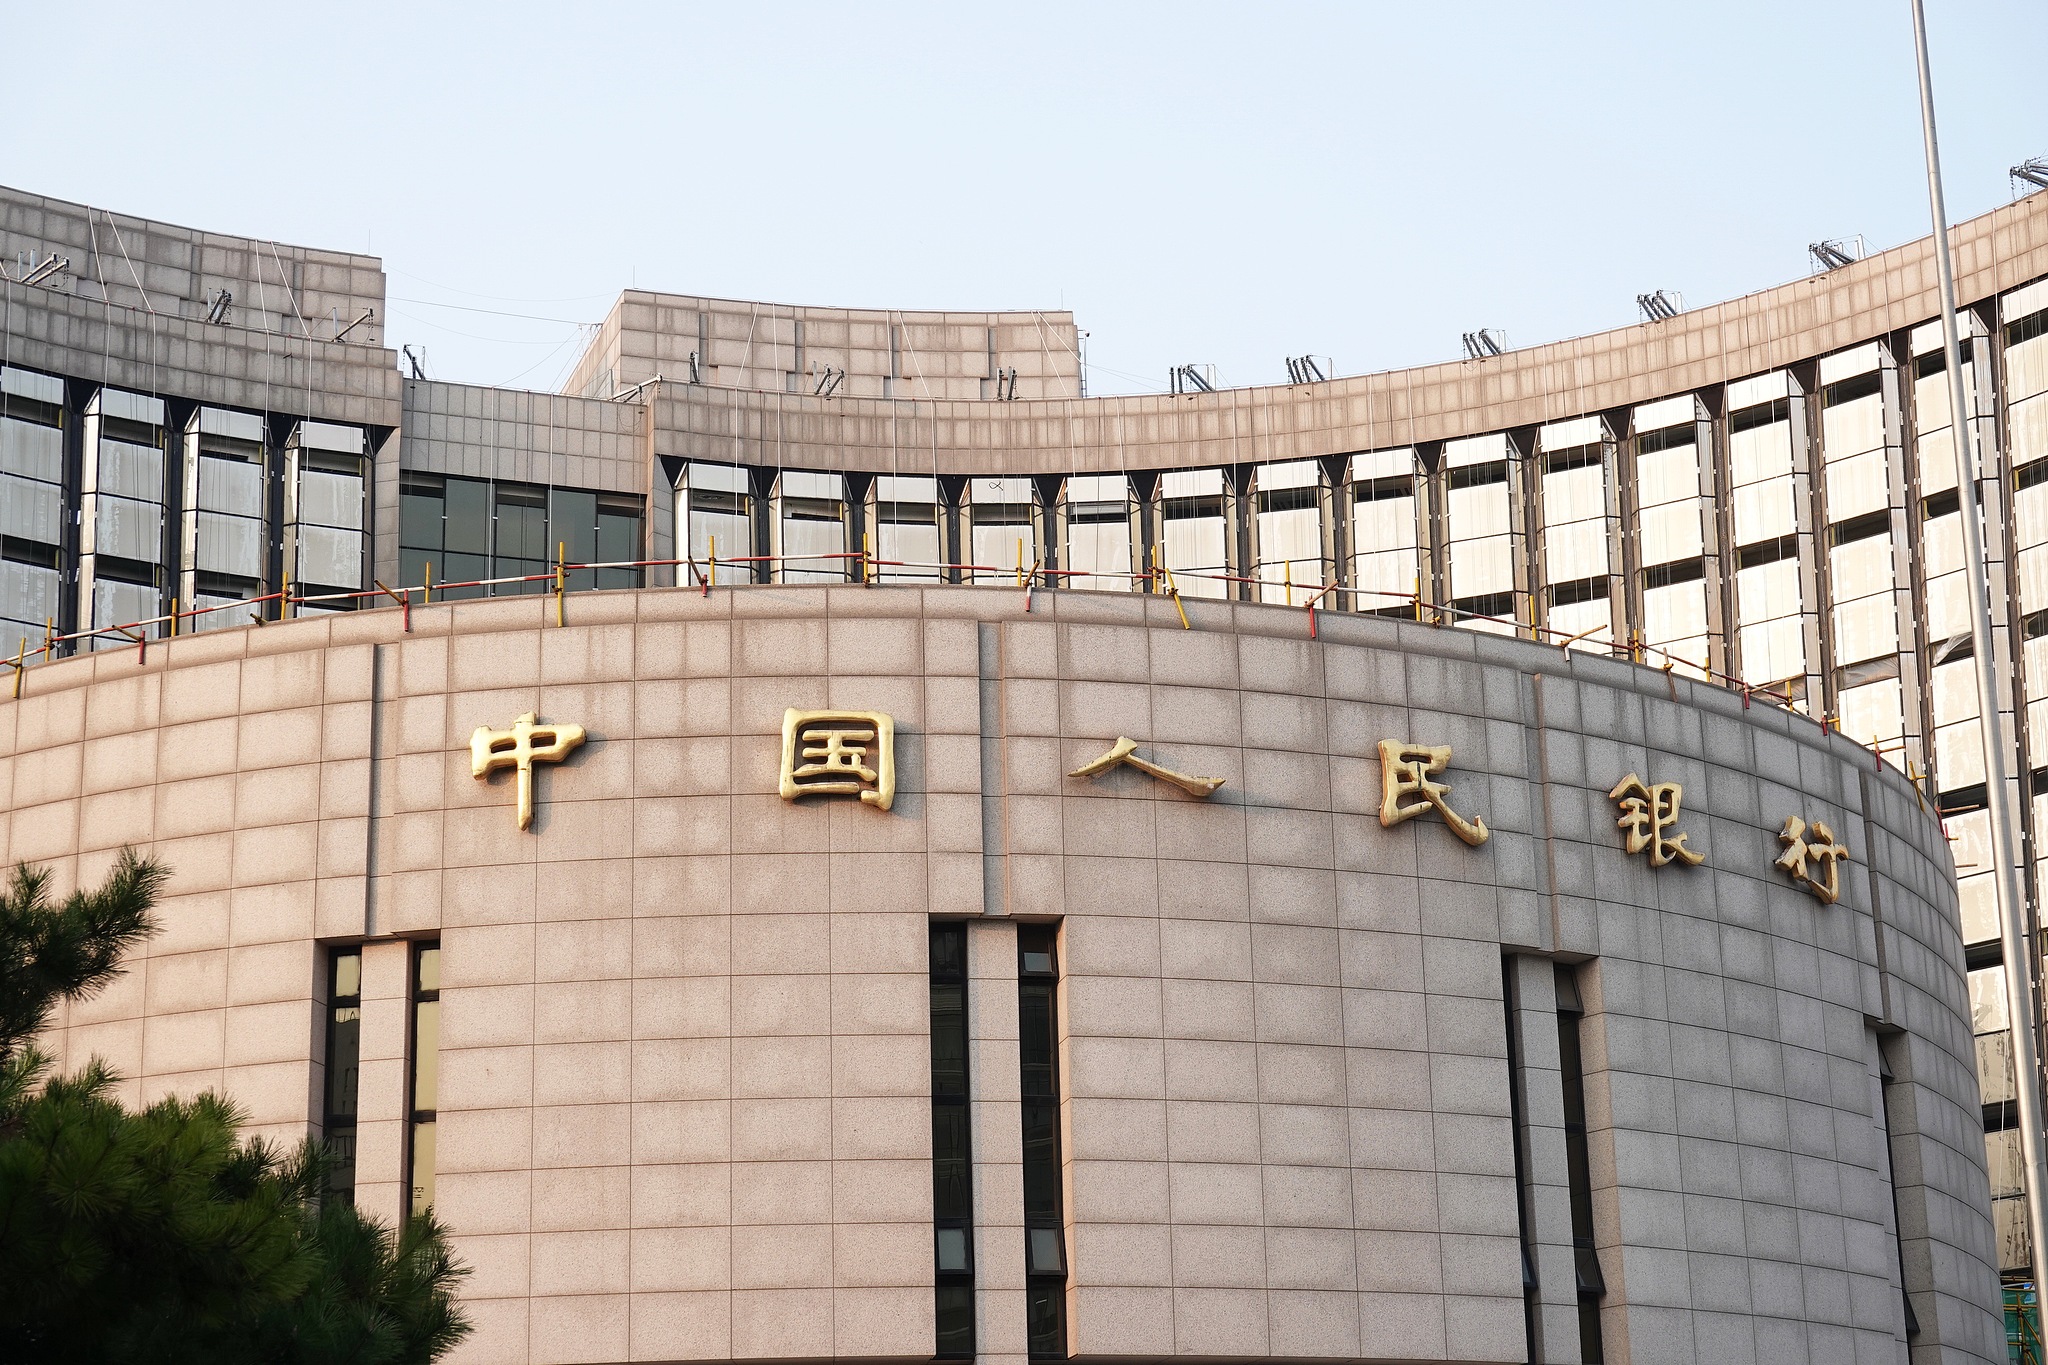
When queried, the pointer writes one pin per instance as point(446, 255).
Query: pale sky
point(1197, 182)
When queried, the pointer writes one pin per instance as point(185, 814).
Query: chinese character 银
point(1649, 812)
point(839, 753)
point(1406, 790)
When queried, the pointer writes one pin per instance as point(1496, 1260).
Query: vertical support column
point(996, 1128)
point(1541, 1163)
point(1432, 494)
point(1903, 503)
point(383, 1100)
point(1811, 525)
point(1717, 487)
point(1525, 463)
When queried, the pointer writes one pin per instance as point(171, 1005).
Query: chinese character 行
point(1648, 809)
point(1406, 790)
point(1815, 844)
point(839, 753)
point(520, 747)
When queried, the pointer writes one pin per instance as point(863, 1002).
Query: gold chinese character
point(1825, 880)
point(839, 753)
point(1124, 751)
point(522, 746)
point(1647, 810)
point(1406, 791)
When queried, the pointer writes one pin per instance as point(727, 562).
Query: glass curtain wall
point(1288, 533)
point(31, 507)
point(1389, 547)
point(1002, 517)
point(1481, 473)
point(715, 508)
point(1580, 528)
point(1194, 530)
point(1769, 596)
point(1672, 534)
point(1856, 487)
point(1958, 747)
point(1096, 513)
point(908, 521)
point(811, 527)
point(225, 548)
point(121, 577)
point(325, 494)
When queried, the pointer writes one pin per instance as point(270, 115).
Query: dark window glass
point(1044, 1219)
point(522, 544)
point(572, 530)
point(618, 539)
point(419, 513)
point(1578, 1169)
point(469, 516)
point(344, 1054)
point(952, 1154)
point(426, 1070)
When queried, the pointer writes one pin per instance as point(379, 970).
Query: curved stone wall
point(1313, 1100)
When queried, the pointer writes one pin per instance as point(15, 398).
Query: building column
point(1541, 1162)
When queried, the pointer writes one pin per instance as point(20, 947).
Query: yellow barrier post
point(561, 575)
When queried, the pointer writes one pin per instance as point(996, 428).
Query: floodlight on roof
point(2033, 171)
point(1484, 342)
point(1833, 255)
point(1663, 304)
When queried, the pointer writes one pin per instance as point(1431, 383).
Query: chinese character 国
point(1813, 858)
point(839, 753)
point(1649, 816)
point(520, 747)
point(1406, 790)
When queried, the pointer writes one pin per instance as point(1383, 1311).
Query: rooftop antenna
point(1833, 255)
point(2014, 940)
point(1309, 369)
point(417, 361)
point(223, 304)
point(2032, 171)
point(1660, 306)
point(1484, 342)
point(1191, 379)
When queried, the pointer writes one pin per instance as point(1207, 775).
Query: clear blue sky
point(1197, 182)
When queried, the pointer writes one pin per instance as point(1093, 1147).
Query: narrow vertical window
point(344, 1054)
point(952, 1165)
point(1578, 1170)
point(426, 1072)
point(1045, 1262)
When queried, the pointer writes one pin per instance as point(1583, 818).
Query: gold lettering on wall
point(1812, 858)
point(1124, 751)
point(520, 747)
point(839, 753)
point(1649, 816)
point(1406, 789)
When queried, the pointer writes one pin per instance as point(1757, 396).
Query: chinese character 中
point(520, 747)
point(1406, 790)
point(1813, 844)
point(839, 753)
point(1648, 810)
point(1125, 751)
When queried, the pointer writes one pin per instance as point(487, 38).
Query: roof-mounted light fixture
point(1834, 255)
point(1484, 342)
point(222, 304)
point(1662, 305)
point(2033, 171)
point(1191, 379)
point(1309, 369)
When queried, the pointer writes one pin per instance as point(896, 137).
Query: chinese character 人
point(839, 753)
point(1813, 858)
point(1406, 790)
point(1649, 811)
point(520, 747)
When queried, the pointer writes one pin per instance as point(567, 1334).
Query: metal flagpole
point(2012, 907)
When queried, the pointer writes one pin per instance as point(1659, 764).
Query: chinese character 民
point(839, 753)
point(1648, 811)
point(1406, 790)
point(1125, 751)
point(520, 747)
point(1812, 857)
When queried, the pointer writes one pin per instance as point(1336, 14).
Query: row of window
point(469, 531)
point(1045, 1263)
point(341, 1093)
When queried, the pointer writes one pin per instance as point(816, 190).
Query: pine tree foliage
point(163, 1237)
